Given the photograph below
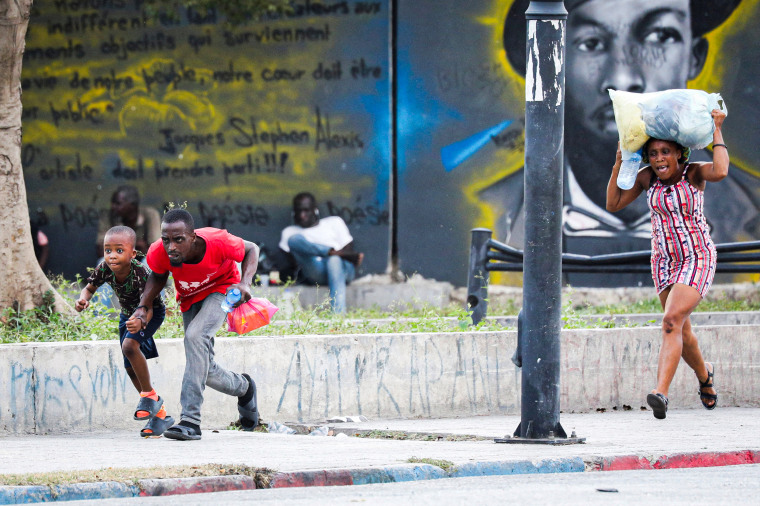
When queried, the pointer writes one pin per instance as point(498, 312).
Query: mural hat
point(706, 15)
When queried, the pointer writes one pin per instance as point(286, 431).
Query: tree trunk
point(22, 282)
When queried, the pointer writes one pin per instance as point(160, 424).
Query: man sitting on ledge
point(322, 249)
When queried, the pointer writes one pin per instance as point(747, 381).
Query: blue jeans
point(322, 269)
point(201, 322)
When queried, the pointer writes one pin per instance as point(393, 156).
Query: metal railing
point(487, 254)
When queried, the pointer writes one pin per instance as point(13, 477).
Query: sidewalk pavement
point(614, 441)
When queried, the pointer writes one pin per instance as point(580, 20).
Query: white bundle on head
point(682, 116)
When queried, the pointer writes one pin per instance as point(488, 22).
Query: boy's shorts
point(145, 336)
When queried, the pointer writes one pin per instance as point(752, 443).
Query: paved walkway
point(616, 440)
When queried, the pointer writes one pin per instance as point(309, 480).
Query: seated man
point(126, 210)
point(323, 249)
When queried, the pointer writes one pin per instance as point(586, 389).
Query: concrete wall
point(232, 120)
point(67, 387)
point(365, 293)
point(235, 121)
point(461, 103)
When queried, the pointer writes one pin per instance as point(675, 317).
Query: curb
point(414, 472)
point(118, 490)
point(418, 472)
point(204, 485)
point(364, 476)
point(676, 461)
point(70, 492)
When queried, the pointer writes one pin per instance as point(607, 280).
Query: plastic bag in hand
point(250, 315)
point(683, 116)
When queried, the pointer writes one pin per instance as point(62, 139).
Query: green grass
point(652, 305)
point(43, 324)
point(446, 465)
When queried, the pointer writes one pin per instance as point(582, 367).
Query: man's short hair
point(130, 193)
point(706, 15)
point(179, 215)
point(304, 195)
point(122, 230)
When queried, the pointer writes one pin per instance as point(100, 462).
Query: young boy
point(127, 277)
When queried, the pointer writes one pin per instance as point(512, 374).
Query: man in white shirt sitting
point(322, 248)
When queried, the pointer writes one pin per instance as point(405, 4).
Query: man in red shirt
point(203, 264)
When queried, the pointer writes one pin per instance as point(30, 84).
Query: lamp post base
point(556, 437)
point(541, 441)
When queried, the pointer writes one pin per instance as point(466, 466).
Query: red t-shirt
point(217, 270)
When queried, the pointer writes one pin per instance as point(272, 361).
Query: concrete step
point(82, 386)
point(417, 293)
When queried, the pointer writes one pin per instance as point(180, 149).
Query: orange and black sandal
point(156, 426)
point(148, 408)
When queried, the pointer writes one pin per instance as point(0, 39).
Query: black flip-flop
point(182, 433)
point(156, 426)
point(249, 412)
point(147, 404)
point(659, 405)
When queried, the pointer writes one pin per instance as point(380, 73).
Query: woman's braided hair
point(685, 152)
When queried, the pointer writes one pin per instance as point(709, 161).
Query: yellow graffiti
point(217, 115)
point(502, 164)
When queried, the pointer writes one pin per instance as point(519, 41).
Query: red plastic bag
point(251, 315)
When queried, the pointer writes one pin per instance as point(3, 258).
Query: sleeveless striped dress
point(682, 250)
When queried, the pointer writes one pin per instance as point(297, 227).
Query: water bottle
point(287, 306)
point(279, 428)
point(230, 299)
point(629, 169)
point(320, 431)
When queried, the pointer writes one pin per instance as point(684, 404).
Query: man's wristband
point(138, 307)
point(716, 144)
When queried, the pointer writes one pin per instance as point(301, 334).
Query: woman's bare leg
point(678, 302)
point(692, 355)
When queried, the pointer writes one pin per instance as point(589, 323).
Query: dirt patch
point(411, 436)
point(261, 476)
point(334, 430)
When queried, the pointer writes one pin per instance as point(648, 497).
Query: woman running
point(683, 254)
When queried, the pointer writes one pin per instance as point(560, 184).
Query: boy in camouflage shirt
point(127, 277)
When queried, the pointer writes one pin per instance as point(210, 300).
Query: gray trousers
point(201, 322)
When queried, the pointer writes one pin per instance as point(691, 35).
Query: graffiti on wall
point(398, 377)
point(468, 79)
point(314, 378)
point(232, 120)
point(54, 387)
point(235, 121)
point(40, 399)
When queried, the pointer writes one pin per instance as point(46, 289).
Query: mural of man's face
point(630, 45)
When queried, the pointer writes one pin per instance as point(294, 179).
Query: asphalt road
point(713, 486)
